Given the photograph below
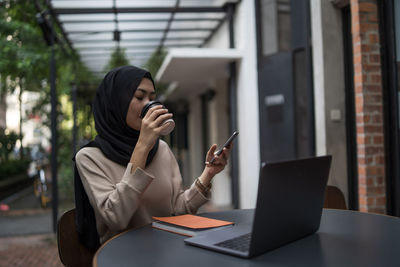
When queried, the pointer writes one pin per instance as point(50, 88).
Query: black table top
point(345, 238)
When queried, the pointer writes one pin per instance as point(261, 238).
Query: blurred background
point(295, 78)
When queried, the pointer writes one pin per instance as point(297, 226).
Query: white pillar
point(319, 79)
point(248, 111)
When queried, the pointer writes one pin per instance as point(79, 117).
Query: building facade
point(296, 79)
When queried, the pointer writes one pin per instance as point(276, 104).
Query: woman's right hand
point(151, 126)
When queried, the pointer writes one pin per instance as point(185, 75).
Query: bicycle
point(40, 187)
point(37, 172)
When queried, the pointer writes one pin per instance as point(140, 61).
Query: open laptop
point(289, 207)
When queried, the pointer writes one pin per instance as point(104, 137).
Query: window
point(275, 26)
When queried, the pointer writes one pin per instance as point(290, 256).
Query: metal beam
point(171, 18)
point(74, 90)
point(142, 30)
point(100, 56)
point(103, 52)
point(53, 120)
point(54, 16)
point(82, 41)
point(65, 11)
point(112, 46)
point(140, 20)
point(232, 98)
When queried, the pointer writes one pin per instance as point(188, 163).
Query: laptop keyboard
point(241, 243)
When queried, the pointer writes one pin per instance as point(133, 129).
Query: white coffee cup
point(170, 122)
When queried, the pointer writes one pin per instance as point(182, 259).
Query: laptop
point(289, 207)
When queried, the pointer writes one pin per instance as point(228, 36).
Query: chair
point(334, 198)
point(70, 250)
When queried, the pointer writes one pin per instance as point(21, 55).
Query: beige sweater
point(123, 200)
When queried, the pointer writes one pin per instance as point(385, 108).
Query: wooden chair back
point(70, 250)
point(334, 198)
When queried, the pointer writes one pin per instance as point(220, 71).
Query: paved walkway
point(25, 216)
point(25, 222)
point(29, 251)
point(26, 237)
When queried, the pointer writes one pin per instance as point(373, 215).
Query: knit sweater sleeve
point(184, 201)
point(116, 203)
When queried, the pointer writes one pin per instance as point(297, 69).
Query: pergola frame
point(206, 33)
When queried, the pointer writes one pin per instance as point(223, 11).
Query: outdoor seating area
point(114, 113)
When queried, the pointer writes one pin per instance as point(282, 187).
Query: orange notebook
point(189, 225)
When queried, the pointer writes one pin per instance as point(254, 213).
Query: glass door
point(390, 42)
point(284, 79)
point(395, 110)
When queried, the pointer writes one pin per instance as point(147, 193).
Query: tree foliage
point(118, 58)
point(7, 144)
point(153, 64)
point(10, 166)
point(22, 56)
point(25, 61)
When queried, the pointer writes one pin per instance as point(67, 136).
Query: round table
point(345, 238)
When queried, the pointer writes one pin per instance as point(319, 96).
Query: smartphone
point(230, 139)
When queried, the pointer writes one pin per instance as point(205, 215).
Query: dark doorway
point(351, 144)
point(285, 79)
point(389, 18)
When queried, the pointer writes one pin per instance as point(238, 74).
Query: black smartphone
point(219, 151)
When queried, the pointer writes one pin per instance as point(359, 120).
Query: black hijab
point(115, 138)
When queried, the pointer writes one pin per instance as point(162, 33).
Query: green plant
point(12, 167)
point(7, 144)
point(153, 64)
point(118, 58)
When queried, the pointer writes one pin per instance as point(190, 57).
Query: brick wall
point(369, 111)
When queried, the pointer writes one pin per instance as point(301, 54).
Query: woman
point(128, 173)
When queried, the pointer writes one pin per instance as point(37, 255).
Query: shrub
point(7, 144)
point(13, 167)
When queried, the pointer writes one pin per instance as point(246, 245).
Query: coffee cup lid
point(148, 106)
